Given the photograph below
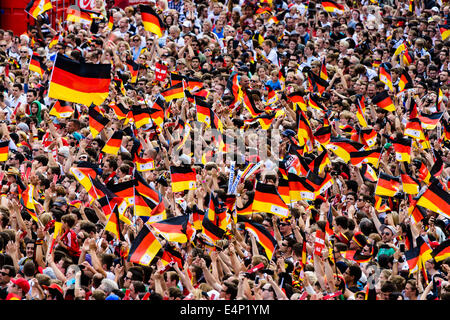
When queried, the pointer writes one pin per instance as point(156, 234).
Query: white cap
point(187, 23)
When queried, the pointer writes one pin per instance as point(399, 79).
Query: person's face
point(4, 276)
point(409, 292)
point(30, 97)
point(386, 235)
point(127, 280)
point(14, 289)
point(29, 250)
point(267, 292)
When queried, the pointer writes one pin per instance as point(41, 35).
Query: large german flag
point(174, 92)
point(267, 199)
point(436, 199)
point(317, 84)
point(114, 143)
point(442, 251)
point(173, 229)
point(366, 156)
point(333, 7)
point(144, 247)
point(402, 149)
point(430, 121)
point(37, 7)
point(4, 150)
point(384, 101)
point(183, 178)
point(96, 121)
point(387, 185)
point(262, 236)
point(61, 109)
point(410, 185)
point(37, 64)
point(151, 20)
point(83, 83)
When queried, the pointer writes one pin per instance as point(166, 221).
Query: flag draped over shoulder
point(83, 83)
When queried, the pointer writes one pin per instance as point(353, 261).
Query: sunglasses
point(4, 273)
point(386, 234)
point(284, 224)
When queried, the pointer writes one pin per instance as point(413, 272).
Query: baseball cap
point(22, 284)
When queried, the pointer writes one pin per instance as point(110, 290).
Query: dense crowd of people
point(278, 49)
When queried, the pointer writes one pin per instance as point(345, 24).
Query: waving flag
point(61, 109)
point(37, 7)
point(151, 20)
point(173, 229)
point(387, 185)
point(79, 82)
point(410, 185)
point(112, 146)
point(332, 7)
point(262, 236)
point(436, 199)
point(144, 247)
point(37, 64)
point(267, 199)
point(4, 150)
point(96, 121)
point(445, 31)
point(75, 14)
point(183, 178)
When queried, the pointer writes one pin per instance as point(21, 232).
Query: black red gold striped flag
point(4, 150)
point(96, 121)
point(144, 247)
point(300, 188)
point(37, 64)
point(387, 185)
point(369, 136)
point(323, 135)
point(141, 116)
point(410, 185)
point(384, 101)
point(442, 251)
point(250, 104)
point(436, 199)
point(151, 20)
point(79, 82)
point(262, 236)
point(445, 31)
point(133, 67)
point(413, 129)
point(37, 7)
point(267, 199)
point(430, 121)
point(174, 92)
point(173, 229)
point(332, 7)
point(61, 109)
point(342, 147)
point(402, 147)
point(366, 156)
point(75, 14)
point(405, 81)
point(297, 98)
point(384, 74)
point(113, 225)
point(112, 146)
point(183, 178)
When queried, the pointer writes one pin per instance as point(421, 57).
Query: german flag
point(423, 173)
point(314, 102)
point(333, 7)
point(316, 83)
point(61, 109)
point(37, 64)
point(402, 149)
point(110, 24)
point(442, 251)
point(157, 115)
point(151, 20)
point(400, 48)
point(120, 111)
point(297, 99)
point(85, 176)
point(124, 190)
point(171, 254)
point(413, 129)
point(387, 185)
point(425, 250)
point(319, 163)
point(113, 225)
point(320, 184)
point(385, 76)
point(369, 137)
point(438, 166)
point(204, 111)
point(28, 202)
point(250, 104)
point(141, 116)
point(176, 78)
point(173, 229)
point(267, 199)
point(366, 156)
point(262, 236)
point(114, 143)
point(323, 135)
point(323, 70)
point(283, 190)
point(265, 120)
point(410, 185)
point(83, 83)
point(194, 84)
point(304, 132)
point(75, 14)
point(183, 178)
point(380, 205)
point(144, 247)
point(361, 110)
point(4, 150)
point(37, 7)
point(146, 190)
point(413, 259)
point(418, 213)
point(144, 164)
point(54, 41)
point(133, 67)
point(279, 17)
point(96, 121)
point(384, 101)
point(174, 92)
point(445, 31)
point(407, 58)
point(144, 207)
point(436, 199)
point(405, 81)
point(342, 147)
point(430, 121)
point(446, 130)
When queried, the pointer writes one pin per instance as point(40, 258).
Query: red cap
point(22, 284)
